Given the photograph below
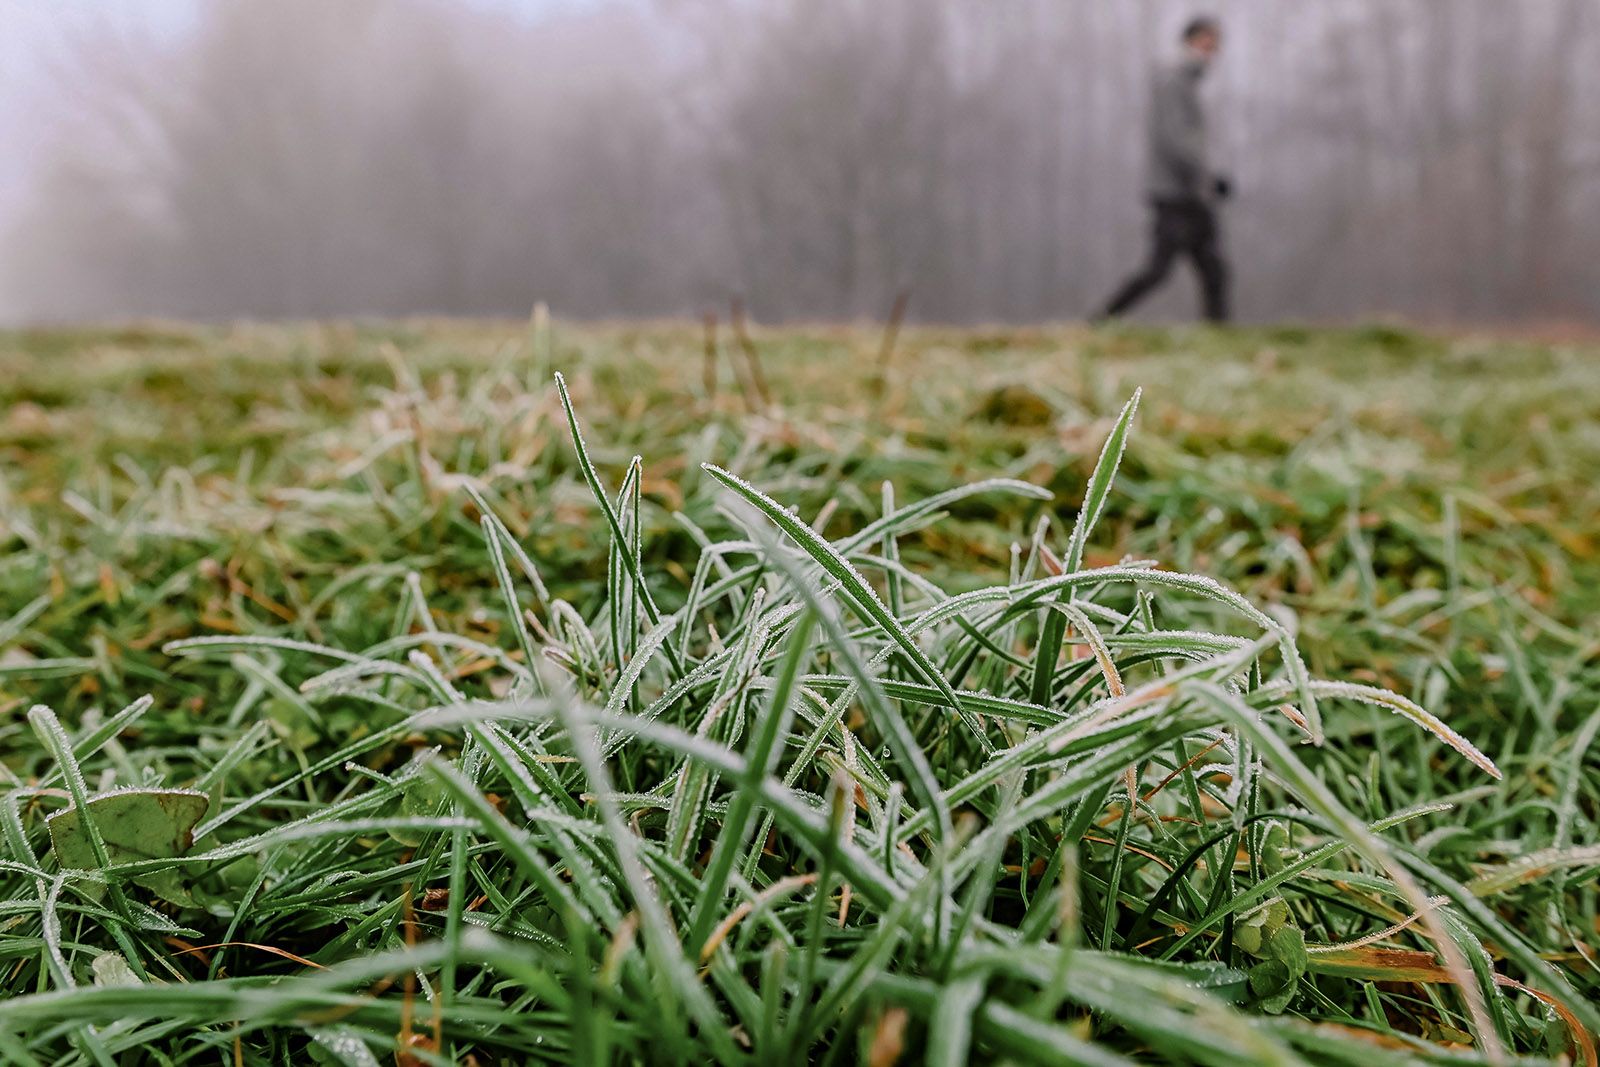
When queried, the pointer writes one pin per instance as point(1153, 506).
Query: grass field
point(399, 743)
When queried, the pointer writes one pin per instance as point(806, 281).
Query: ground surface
point(1422, 512)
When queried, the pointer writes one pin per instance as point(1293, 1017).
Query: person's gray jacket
point(1178, 168)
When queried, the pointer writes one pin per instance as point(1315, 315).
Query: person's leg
point(1163, 249)
point(1206, 251)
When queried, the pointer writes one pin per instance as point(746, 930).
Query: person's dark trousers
point(1181, 228)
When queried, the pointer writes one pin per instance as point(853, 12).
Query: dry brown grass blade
point(269, 949)
point(888, 1038)
point(708, 366)
point(1409, 965)
point(782, 887)
point(752, 358)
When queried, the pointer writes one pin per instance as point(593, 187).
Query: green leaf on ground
point(135, 824)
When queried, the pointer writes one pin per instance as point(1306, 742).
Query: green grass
point(511, 747)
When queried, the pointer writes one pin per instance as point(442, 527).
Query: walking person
point(1183, 191)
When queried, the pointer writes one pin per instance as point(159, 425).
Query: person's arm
point(1179, 139)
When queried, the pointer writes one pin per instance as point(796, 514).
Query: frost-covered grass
point(1250, 718)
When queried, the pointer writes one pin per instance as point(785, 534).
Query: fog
point(1435, 159)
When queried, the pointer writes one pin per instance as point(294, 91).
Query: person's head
point(1202, 37)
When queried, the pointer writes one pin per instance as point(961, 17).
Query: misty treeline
point(1437, 158)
